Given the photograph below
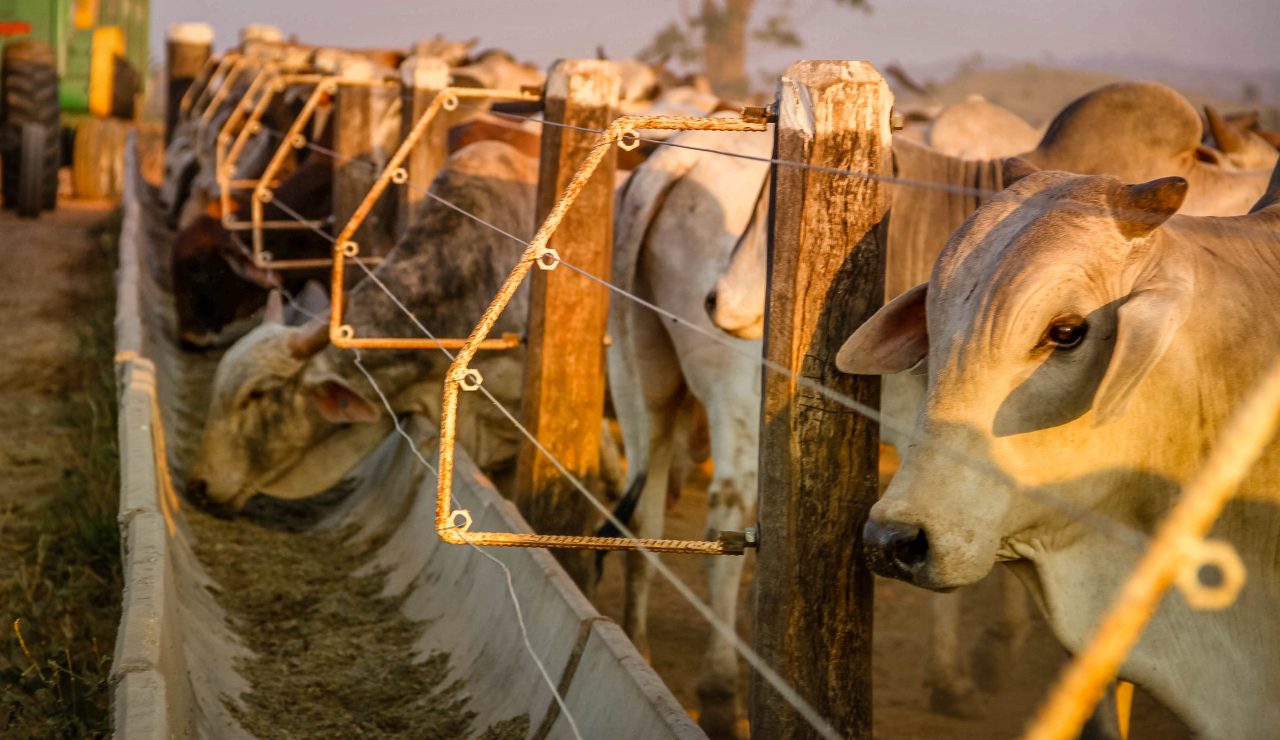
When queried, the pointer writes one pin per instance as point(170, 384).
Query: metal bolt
point(760, 114)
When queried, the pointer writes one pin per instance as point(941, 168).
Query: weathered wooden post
point(354, 168)
point(818, 460)
point(422, 77)
point(187, 48)
point(564, 369)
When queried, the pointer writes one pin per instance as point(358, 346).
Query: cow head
point(1044, 315)
point(281, 420)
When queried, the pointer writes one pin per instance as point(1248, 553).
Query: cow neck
point(922, 219)
point(1215, 190)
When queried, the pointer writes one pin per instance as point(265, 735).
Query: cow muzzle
point(198, 494)
point(895, 550)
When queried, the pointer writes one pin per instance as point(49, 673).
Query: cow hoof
point(964, 703)
point(718, 716)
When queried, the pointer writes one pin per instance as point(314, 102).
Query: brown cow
point(214, 279)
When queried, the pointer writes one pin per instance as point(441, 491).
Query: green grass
point(61, 572)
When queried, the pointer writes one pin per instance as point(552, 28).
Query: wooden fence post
point(355, 167)
point(818, 460)
point(187, 48)
point(422, 77)
point(564, 369)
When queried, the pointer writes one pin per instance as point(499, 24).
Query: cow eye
point(253, 396)
point(1067, 335)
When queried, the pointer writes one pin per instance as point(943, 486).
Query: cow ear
point(1146, 325)
point(894, 340)
point(1140, 209)
point(339, 403)
point(1016, 168)
point(274, 313)
point(213, 208)
point(1228, 138)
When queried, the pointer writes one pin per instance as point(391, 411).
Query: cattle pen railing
point(833, 122)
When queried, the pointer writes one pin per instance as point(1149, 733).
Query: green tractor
point(66, 66)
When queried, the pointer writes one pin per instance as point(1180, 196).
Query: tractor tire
point(31, 171)
point(29, 82)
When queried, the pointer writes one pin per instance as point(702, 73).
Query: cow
point(1153, 131)
point(452, 53)
point(498, 70)
point(979, 129)
point(1083, 344)
point(677, 220)
point(289, 414)
point(214, 278)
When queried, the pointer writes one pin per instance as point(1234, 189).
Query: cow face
point(1045, 312)
point(279, 421)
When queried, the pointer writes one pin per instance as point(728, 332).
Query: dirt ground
point(59, 550)
point(43, 284)
point(902, 621)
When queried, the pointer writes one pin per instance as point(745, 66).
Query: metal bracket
point(726, 543)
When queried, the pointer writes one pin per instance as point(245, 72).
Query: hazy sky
point(1239, 34)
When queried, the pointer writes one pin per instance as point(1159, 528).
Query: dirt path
point(59, 551)
point(901, 701)
point(46, 280)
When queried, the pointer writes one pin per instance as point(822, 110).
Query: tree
point(717, 36)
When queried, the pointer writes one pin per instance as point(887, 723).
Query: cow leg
point(1104, 723)
point(647, 523)
point(1000, 643)
point(647, 389)
point(951, 692)
point(731, 495)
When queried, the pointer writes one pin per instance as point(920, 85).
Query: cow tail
point(622, 512)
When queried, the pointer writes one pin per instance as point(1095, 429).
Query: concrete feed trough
point(192, 660)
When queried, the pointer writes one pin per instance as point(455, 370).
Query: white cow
point(1083, 347)
point(1135, 130)
point(678, 218)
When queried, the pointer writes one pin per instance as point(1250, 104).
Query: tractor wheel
point(31, 171)
point(30, 84)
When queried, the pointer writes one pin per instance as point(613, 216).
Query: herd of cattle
point(1078, 309)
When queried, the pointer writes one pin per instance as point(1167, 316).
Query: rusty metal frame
point(200, 83)
point(252, 126)
point(232, 127)
point(454, 525)
point(238, 65)
point(294, 138)
point(345, 248)
point(218, 73)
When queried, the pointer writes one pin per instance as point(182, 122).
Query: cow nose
point(895, 550)
point(710, 305)
point(198, 495)
point(198, 492)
